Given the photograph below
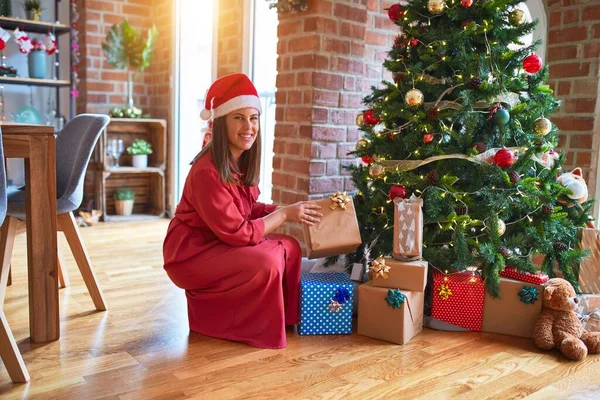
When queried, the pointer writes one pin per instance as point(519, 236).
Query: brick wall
point(573, 52)
point(230, 40)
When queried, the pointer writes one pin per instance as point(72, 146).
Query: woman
point(241, 280)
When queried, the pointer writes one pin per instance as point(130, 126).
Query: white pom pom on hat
point(230, 93)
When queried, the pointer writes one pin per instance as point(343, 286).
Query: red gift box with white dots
point(458, 299)
point(511, 273)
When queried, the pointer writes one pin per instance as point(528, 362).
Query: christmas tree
point(465, 126)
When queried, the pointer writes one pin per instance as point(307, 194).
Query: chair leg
point(10, 354)
point(7, 241)
point(63, 276)
point(68, 225)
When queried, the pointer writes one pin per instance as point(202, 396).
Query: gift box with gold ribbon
point(408, 229)
point(392, 315)
point(337, 232)
point(405, 275)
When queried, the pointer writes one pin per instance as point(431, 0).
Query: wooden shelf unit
point(33, 26)
point(148, 184)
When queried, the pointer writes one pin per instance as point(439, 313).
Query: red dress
point(240, 285)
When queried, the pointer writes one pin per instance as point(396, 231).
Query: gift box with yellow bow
point(405, 275)
point(337, 233)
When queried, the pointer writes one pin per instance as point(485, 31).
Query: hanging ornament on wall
point(376, 170)
point(360, 120)
point(367, 159)
point(414, 98)
point(436, 7)
point(362, 144)
point(504, 158)
point(398, 191)
point(501, 227)
point(542, 126)
point(50, 42)
point(516, 17)
point(532, 63)
point(395, 12)
point(370, 118)
point(466, 3)
point(428, 138)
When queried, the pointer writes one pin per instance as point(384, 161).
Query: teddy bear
point(558, 326)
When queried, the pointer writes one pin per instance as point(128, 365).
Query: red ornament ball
point(414, 42)
point(370, 118)
point(395, 12)
point(398, 191)
point(367, 159)
point(504, 158)
point(466, 3)
point(532, 63)
point(428, 138)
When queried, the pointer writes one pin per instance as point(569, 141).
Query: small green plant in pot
point(123, 198)
point(139, 151)
point(33, 9)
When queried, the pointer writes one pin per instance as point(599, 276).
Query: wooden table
point(35, 144)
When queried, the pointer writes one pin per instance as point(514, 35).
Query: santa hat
point(228, 94)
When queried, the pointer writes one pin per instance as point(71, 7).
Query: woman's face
point(242, 128)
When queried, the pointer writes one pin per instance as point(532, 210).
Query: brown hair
point(223, 160)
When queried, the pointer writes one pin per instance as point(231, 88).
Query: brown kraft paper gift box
point(378, 320)
point(589, 269)
point(408, 228)
point(508, 315)
point(404, 275)
point(337, 233)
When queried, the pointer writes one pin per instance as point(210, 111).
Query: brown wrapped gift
point(405, 275)
point(378, 320)
point(408, 228)
point(508, 314)
point(589, 269)
point(337, 233)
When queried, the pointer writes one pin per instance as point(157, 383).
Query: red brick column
point(573, 53)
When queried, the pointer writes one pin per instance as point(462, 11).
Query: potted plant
point(33, 9)
point(128, 50)
point(36, 60)
point(123, 201)
point(139, 151)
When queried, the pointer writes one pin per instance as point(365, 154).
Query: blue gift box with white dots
point(317, 313)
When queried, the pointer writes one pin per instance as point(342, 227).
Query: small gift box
point(589, 269)
point(512, 273)
point(458, 299)
point(405, 275)
point(408, 228)
point(389, 314)
point(325, 304)
point(588, 311)
point(337, 232)
point(516, 311)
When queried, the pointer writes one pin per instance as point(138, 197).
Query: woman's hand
point(305, 212)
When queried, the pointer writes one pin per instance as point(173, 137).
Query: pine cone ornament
point(390, 137)
point(514, 177)
point(433, 177)
point(547, 209)
point(480, 147)
point(504, 251)
point(475, 82)
point(433, 114)
point(560, 246)
point(461, 210)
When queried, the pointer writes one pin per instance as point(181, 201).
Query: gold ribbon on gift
point(409, 165)
point(339, 199)
point(379, 269)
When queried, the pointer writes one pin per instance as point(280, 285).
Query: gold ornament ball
point(414, 98)
point(501, 227)
point(359, 120)
point(361, 144)
point(542, 126)
point(376, 170)
point(516, 17)
point(436, 6)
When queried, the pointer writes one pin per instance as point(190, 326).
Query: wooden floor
point(141, 348)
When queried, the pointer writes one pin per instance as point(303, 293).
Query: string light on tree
point(414, 98)
point(436, 7)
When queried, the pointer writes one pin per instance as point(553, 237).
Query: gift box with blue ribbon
point(325, 304)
